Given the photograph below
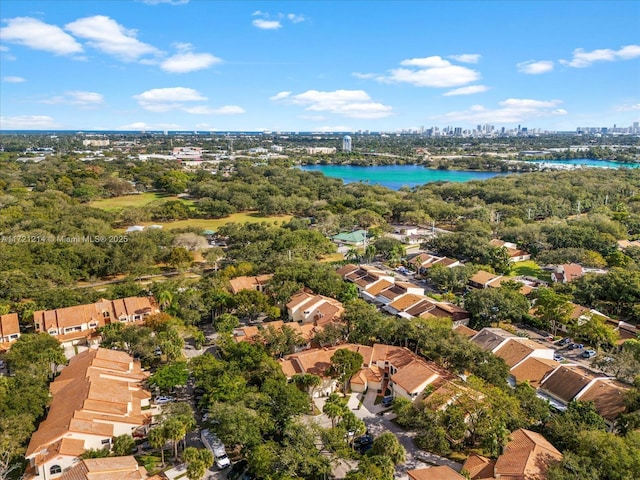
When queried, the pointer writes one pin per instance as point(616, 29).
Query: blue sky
point(313, 66)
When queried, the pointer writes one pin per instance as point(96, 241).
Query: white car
point(163, 400)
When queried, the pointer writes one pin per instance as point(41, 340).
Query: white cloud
point(108, 36)
point(467, 57)
point(38, 35)
point(263, 24)
point(280, 96)
point(470, 90)
point(77, 97)
point(205, 110)
point(13, 79)
point(4, 48)
point(583, 59)
point(348, 103)
point(512, 110)
point(295, 18)
point(27, 122)
point(365, 76)
point(628, 108)
point(185, 62)
point(166, 99)
point(431, 71)
point(535, 67)
point(146, 127)
point(336, 128)
point(426, 62)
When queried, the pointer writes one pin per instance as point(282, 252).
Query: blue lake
point(588, 162)
point(398, 176)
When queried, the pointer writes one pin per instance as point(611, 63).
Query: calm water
point(587, 162)
point(397, 176)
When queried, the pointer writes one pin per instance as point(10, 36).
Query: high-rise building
point(346, 144)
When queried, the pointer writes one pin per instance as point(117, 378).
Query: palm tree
point(352, 254)
point(157, 439)
point(175, 431)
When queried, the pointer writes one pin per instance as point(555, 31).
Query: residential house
point(566, 382)
point(567, 273)
point(515, 254)
point(622, 244)
point(533, 370)
point(446, 310)
point(491, 339)
point(9, 330)
point(308, 307)
point(527, 456)
point(465, 331)
point(257, 283)
point(307, 331)
point(482, 279)
point(402, 303)
point(98, 396)
point(404, 373)
point(356, 238)
point(117, 468)
point(526, 288)
point(608, 397)
point(424, 261)
point(443, 472)
point(73, 325)
point(396, 291)
point(516, 350)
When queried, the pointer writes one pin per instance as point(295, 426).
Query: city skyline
point(317, 66)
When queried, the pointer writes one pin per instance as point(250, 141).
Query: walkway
point(378, 424)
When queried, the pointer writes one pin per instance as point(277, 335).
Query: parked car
point(558, 358)
point(387, 401)
point(588, 354)
point(565, 341)
point(161, 400)
point(549, 338)
point(363, 443)
point(576, 346)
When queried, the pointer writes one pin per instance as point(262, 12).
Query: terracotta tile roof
point(425, 305)
point(406, 301)
point(378, 287)
point(442, 472)
point(96, 390)
point(527, 456)
point(482, 278)
point(109, 468)
point(446, 261)
point(9, 324)
point(567, 381)
point(464, 330)
point(572, 271)
point(62, 318)
point(298, 299)
point(393, 292)
point(347, 269)
point(515, 350)
point(489, 338)
point(366, 280)
point(534, 370)
point(249, 283)
point(608, 397)
point(414, 376)
point(479, 466)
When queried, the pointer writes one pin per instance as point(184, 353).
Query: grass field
point(118, 203)
point(215, 223)
point(530, 269)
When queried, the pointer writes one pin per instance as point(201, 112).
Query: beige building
point(9, 330)
point(73, 325)
point(110, 468)
point(98, 396)
point(308, 307)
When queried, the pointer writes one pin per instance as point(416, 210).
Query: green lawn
point(215, 223)
point(118, 203)
point(530, 269)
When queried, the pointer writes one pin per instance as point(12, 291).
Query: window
point(106, 441)
point(55, 469)
point(53, 331)
point(93, 324)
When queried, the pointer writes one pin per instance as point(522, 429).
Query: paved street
point(377, 424)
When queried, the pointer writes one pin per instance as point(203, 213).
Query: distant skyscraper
point(346, 144)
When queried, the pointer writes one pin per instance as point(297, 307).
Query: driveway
point(378, 424)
